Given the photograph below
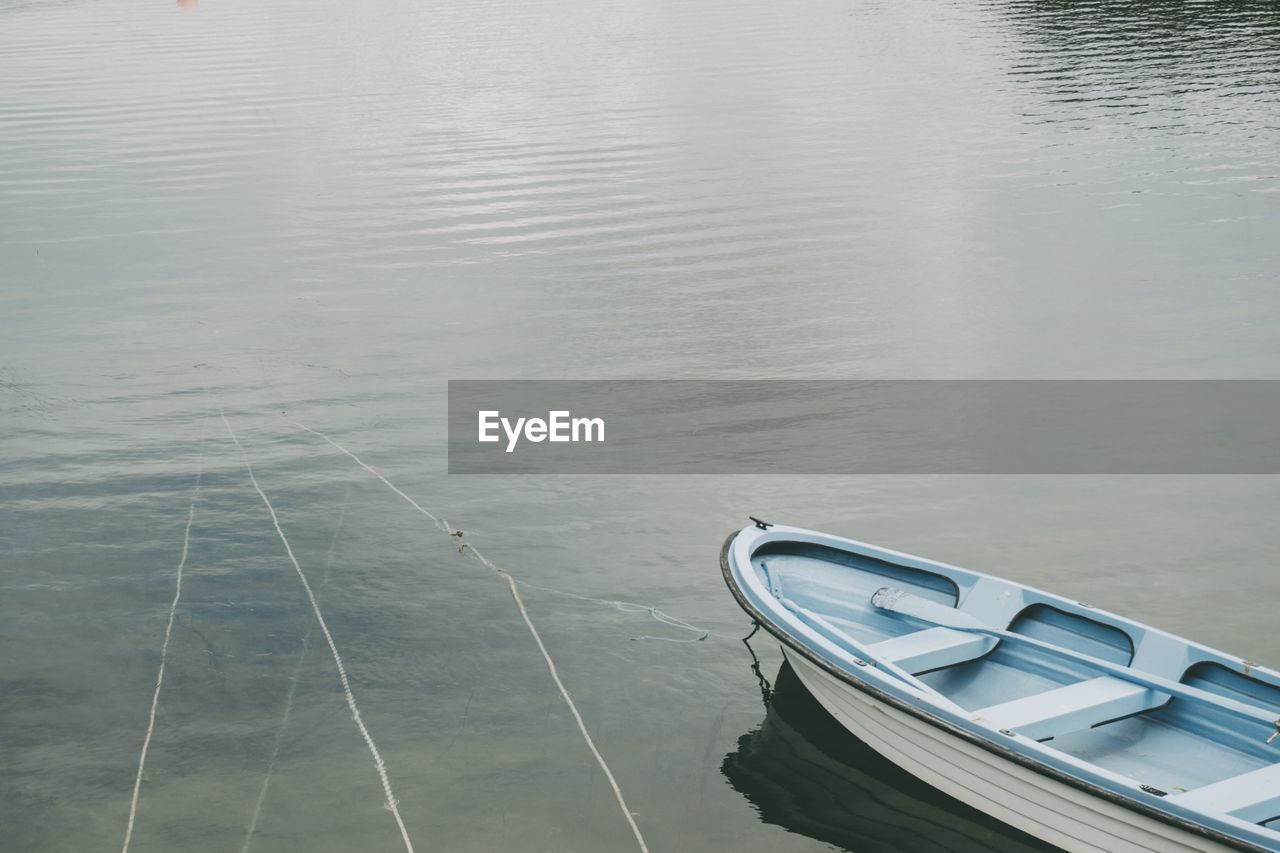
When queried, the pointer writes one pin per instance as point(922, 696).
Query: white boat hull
point(1034, 803)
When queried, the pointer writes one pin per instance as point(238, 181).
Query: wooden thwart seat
point(1072, 708)
point(933, 648)
point(1252, 796)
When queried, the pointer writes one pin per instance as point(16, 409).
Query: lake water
point(322, 211)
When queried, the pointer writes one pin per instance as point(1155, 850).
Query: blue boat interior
point(1075, 684)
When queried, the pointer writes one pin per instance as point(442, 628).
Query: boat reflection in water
point(804, 772)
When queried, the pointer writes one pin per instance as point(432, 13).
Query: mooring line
point(164, 646)
point(444, 526)
point(380, 765)
point(293, 688)
point(629, 607)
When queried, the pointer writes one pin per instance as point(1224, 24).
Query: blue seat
point(1252, 796)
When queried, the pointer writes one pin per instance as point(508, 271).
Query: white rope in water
point(275, 747)
point(293, 689)
point(439, 522)
point(164, 646)
point(524, 614)
point(631, 607)
point(582, 726)
point(380, 765)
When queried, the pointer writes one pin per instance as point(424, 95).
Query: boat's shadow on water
point(804, 772)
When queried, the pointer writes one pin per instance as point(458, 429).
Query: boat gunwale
point(780, 633)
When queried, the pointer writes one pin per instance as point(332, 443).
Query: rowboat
point(1087, 730)
point(803, 771)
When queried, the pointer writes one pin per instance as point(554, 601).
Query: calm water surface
point(324, 210)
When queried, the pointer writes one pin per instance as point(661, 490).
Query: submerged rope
point(275, 747)
point(164, 646)
point(466, 547)
point(293, 689)
point(380, 765)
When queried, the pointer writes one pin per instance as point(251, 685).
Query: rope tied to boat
point(766, 689)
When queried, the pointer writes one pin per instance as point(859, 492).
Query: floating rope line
point(275, 747)
point(164, 646)
point(631, 607)
point(293, 688)
point(380, 765)
point(466, 547)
